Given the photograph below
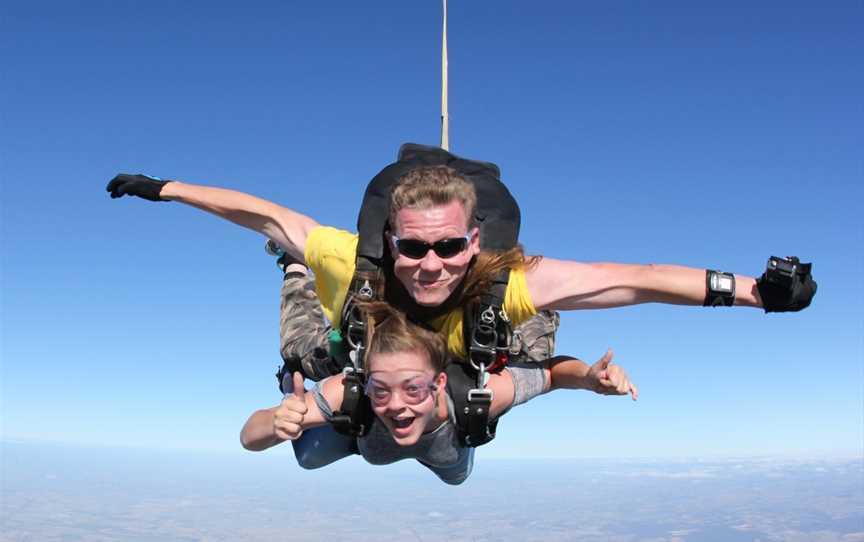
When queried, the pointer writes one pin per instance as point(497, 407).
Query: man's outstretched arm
point(288, 228)
point(564, 373)
point(568, 285)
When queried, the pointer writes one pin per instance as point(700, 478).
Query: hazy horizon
point(55, 492)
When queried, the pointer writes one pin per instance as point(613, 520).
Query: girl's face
point(406, 394)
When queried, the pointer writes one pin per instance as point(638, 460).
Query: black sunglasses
point(445, 248)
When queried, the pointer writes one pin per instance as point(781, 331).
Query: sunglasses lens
point(412, 248)
point(447, 248)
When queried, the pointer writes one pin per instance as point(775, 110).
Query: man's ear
point(388, 236)
point(474, 243)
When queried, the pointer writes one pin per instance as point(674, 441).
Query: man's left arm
point(568, 285)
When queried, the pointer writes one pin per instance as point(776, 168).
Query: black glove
point(136, 185)
point(786, 285)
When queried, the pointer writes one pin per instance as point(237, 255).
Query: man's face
point(431, 279)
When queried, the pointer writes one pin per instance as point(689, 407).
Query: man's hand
point(136, 185)
point(788, 290)
point(288, 417)
point(610, 379)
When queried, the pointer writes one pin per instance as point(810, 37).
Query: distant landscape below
point(65, 492)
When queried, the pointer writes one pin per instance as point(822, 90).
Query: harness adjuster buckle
point(480, 395)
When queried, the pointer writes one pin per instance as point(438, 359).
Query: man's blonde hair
point(429, 186)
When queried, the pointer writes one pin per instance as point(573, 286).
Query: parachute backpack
point(486, 327)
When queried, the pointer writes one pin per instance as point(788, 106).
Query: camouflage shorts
point(303, 330)
point(534, 339)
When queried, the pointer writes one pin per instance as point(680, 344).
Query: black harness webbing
point(354, 417)
point(471, 406)
point(487, 335)
point(487, 332)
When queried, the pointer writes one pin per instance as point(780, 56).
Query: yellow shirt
point(331, 254)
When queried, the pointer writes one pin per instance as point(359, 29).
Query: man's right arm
point(288, 228)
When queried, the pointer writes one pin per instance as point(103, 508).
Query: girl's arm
point(297, 412)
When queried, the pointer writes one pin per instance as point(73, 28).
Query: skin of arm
point(564, 372)
point(288, 228)
point(297, 412)
point(568, 285)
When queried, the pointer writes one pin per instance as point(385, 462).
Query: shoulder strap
point(354, 417)
point(486, 328)
point(472, 404)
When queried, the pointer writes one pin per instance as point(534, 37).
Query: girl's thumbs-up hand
point(288, 417)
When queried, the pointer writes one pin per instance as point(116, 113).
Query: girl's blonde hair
point(392, 333)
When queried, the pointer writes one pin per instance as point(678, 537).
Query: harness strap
point(354, 417)
point(471, 405)
point(487, 332)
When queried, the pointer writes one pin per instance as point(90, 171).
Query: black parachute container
point(497, 212)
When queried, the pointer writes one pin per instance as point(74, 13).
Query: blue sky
point(704, 135)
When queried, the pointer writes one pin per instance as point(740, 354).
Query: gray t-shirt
point(439, 449)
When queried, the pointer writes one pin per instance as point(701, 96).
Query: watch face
point(721, 283)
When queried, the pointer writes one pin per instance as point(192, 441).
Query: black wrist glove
point(136, 185)
point(786, 285)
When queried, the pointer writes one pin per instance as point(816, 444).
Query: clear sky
point(709, 135)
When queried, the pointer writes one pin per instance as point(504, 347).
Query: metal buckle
point(356, 325)
point(365, 291)
point(353, 370)
point(476, 393)
point(503, 314)
point(486, 353)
